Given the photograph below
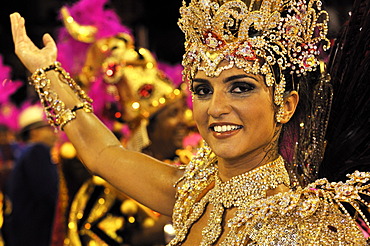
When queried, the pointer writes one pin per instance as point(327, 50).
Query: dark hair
point(305, 131)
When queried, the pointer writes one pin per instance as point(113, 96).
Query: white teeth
point(225, 128)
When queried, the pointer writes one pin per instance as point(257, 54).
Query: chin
point(225, 153)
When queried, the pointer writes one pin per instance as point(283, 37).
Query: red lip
point(223, 135)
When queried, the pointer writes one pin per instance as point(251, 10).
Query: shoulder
point(317, 213)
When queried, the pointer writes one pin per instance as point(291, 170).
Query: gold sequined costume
point(301, 216)
point(282, 41)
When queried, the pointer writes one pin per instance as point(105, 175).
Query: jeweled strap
point(56, 112)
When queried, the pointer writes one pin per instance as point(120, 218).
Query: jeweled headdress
point(260, 36)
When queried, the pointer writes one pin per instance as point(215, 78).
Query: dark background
point(154, 24)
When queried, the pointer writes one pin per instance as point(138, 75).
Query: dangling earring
point(280, 114)
point(279, 99)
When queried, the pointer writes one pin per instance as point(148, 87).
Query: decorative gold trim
point(55, 109)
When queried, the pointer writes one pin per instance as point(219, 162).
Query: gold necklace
point(249, 186)
point(239, 191)
point(236, 192)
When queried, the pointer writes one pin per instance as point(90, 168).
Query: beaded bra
point(313, 215)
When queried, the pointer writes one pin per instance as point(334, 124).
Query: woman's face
point(234, 113)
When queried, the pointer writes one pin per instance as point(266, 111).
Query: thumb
point(49, 42)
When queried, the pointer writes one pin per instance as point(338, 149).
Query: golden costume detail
point(55, 109)
point(100, 209)
point(313, 215)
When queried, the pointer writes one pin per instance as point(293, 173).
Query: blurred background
point(154, 25)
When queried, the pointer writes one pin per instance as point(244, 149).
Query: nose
point(219, 105)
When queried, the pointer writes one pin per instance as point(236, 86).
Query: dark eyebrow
point(199, 80)
point(228, 79)
point(239, 76)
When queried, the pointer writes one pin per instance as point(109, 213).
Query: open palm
point(29, 54)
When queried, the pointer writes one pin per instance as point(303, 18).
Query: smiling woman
point(235, 115)
point(261, 103)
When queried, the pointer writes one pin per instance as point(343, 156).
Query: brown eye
point(202, 90)
point(241, 87)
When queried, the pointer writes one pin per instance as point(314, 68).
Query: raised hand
point(29, 54)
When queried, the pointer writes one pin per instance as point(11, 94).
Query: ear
point(290, 105)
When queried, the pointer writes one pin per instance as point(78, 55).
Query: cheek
point(265, 122)
point(199, 111)
point(199, 117)
point(258, 112)
point(201, 123)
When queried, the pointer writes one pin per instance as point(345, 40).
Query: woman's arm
point(141, 177)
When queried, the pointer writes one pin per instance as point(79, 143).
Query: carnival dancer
point(254, 72)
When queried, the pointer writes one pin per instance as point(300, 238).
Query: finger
point(48, 41)
point(18, 29)
point(22, 29)
point(50, 45)
point(14, 25)
point(20, 37)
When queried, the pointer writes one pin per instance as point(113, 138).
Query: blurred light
point(101, 201)
point(71, 225)
point(69, 19)
point(131, 219)
point(176, 92)
point(87, 226)
point(135, 105)
point(162, 100)
point(168, 228)
point(109, 72)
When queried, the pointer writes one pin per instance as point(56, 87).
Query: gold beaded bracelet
point(57, 114)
